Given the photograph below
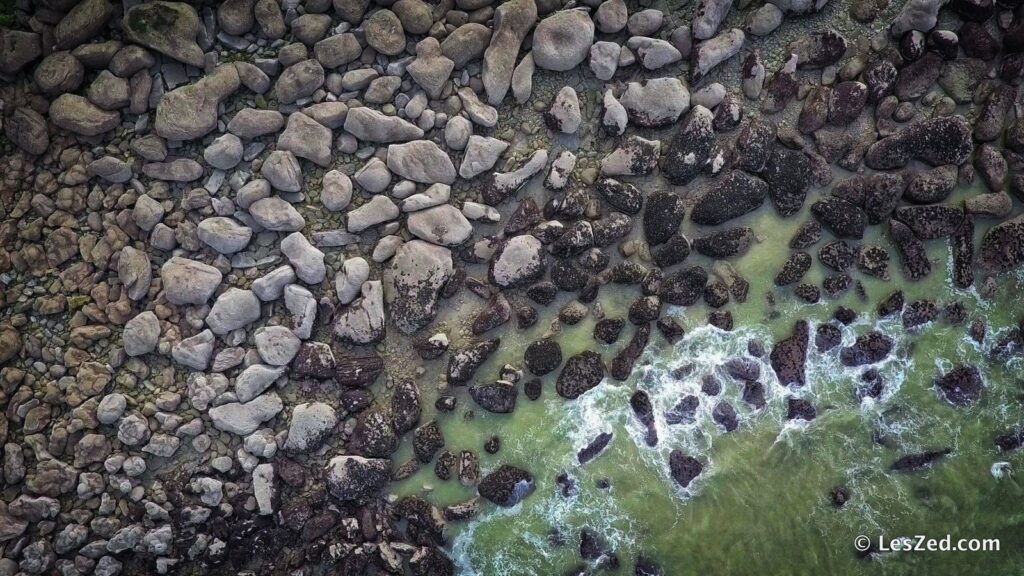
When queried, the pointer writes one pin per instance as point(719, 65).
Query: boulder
point(170, 28)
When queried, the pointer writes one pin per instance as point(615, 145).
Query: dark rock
point(622, 365)
point(836, 284)
point(622, 196)
point(788, 174)
point(962, 244)
point(1011, 440)
point(662, 216)
point(827, 337)
point(533, 388)
point(672, 252)
point(640, 402)
point(578, 237)
point(683, 467)
point(912, 251)
point(807, 292)
point(818, 49)
point(920, 461)
point(753, 394)
point(728, 243)
point(919, 312)
point(446, 462)
point(789, 356)
point(498, 397)
point(644, 310)
point(931, 222)
point(794, 269)
point(690, 149)
point(1002, 246)
point(871, 385)
point(961, 386)
point(405, 406)
point(721, 319)
point(542, 293)
point(314, 359)
point(670, 329)
point(881, 194)
point(807, 235)
point(754, 145)
point(358, 371)
point(684, 412)
point(736, 194)
point(568, 277)
point(842, 218)
point(607, 330)
point(837, 255)
point(427, 440)
point(893, 304)
point(918, 77)
point(463, 364)
point(725, 416)
point(869, 348)
point(526, 215)
point(611, 228)
point(374, 435)
point(839, 496)
point(991, 122)
point(937, 141)
point(716, 294)
point(873, 261)
point(931, 186)
point(581, 372)
point(800, 409)
point(880, 78)
point(543, 357)
point(506, 486)
point(684, 287)
point(594, 448)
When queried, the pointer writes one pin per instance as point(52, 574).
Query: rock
point(188, 282)
point(224, 153)
point(463, 364)
point(306, 138)
point(443, 225)
point(919, 15)
point(298, 81)
point(170, 28)
point(1002, 246)
point(277, 345)
point(501, 186)
point(581, 372)
point(276, 215)
point(369, 125)
point(931, 222)
point(421, 161)
point(133, 269)
point(690, 149)
point(305, 258)
point(378, 210)
point(562, 40)
point(384, 33)
point(59, 73)
point(604, 59)
point(506, 486)
point(656, 102)
point(26, 129)
point(256, 379)
point(430, 69)
point(482, 152)
point(232, 310)
point(497, 397)
point(18, 48)
point(564, 115)
point(336, 191)
point(512, 22)
point(245, 418)
point(788, 174)
point(250, 123)
point(713, 52)
point(818, 49)
point(709, 16)
point(764, 20)
point(311, 424)
point(363, 321)
point(869, 348)
point(194, 352)
point(683, 468)
point(662, 217)
point(225, 235)
point(737, 194)
point(919, 461)
point(842, 218)
point(76, 114)
point(357, 479)
point(141, 334)
point(789, 356)
point(937, 141)
point(337, 50)
point(518, 262)
point(636, 157)
point(190, 112)
point(179, 170)
point(466, 43)
point(653, 53)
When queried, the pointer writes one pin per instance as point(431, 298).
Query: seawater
point(762, 504)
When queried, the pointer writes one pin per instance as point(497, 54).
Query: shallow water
point(762, 504)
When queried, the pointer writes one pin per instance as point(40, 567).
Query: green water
point(762, 504)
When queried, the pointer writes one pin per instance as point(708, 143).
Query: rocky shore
point(239, 238)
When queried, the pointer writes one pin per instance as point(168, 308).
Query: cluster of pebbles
point(216, 216)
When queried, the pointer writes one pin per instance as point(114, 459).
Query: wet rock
point(725, 416)
point(874, 261)
point(684, 287)
point(937, 141)
point(728, 243)
point(497, 397)
point(868, 348)
point(543, 357)
point(917, 78)
point(789, 356)
point(793, 269)
point(800, 409)
point(506, 486)
point(931, 222)
point(843, 219)
point(920, 461)
point(636, 157)
point(912, 251)
point(690, 149)
point(662, 217)
point(931, 186)
point(737, 194)
point(357, 479)
point(788, 174)
point(581, 372)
